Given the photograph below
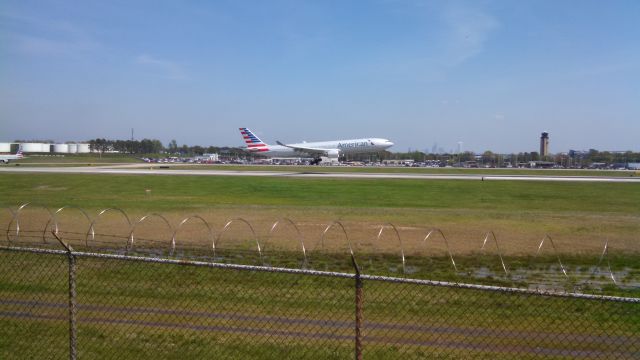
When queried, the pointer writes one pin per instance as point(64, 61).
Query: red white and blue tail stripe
point(254, 144)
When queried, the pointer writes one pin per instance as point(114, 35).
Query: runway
point(141, 169)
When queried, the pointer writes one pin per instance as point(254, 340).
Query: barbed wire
point(216, 239)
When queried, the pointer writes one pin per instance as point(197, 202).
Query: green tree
point(173, 146)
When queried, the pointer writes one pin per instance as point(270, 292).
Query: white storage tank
point(83, 149)
point(45, 148)
point(61, 148)
point(5, 147)
point(73, 148)
point(31, 147)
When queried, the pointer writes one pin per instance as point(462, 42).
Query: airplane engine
point(333, 153)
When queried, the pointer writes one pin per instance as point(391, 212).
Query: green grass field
point(130, 310)
point(410, 170)
point(75, 159)
point(193, 192)
point(579, 217)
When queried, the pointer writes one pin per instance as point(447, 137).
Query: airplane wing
point(311, 151)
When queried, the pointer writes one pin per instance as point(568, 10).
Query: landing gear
point(315, 161)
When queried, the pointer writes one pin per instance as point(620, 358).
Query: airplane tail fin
point(254, 144)
point(19, 152)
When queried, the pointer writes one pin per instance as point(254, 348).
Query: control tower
point(544, 144)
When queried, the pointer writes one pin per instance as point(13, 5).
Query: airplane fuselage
point(349, 146)
point(316, 150)
point(6, 158)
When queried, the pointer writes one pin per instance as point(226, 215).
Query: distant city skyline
point(491, 74)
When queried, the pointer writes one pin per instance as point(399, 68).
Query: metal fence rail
point(56, 304)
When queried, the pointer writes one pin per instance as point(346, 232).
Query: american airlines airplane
point(330, 149)
point(17, 156)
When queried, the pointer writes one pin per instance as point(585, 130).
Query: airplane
point(17, 156)
point(316, 150)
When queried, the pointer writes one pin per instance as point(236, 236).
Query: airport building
point(5, 147)
point(34, 147)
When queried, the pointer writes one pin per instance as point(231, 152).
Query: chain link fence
point(57, 304)
point(157, 287)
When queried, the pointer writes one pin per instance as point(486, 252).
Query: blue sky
point(491, 74)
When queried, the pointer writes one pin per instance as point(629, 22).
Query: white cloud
point(166, 68)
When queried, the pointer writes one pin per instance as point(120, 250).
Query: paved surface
point(141, 169)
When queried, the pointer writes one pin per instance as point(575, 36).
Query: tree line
point(144, 146)
point(572, 158)
point(154, 146)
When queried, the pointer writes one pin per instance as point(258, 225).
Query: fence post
point(359, 305)
point(73, 339)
